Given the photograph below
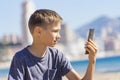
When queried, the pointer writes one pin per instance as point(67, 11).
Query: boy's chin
point(51, 45)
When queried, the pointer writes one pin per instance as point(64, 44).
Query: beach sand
point(3, 78)
point(98, 76)
point(105, 76)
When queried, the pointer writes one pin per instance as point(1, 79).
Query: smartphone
point(90, 36)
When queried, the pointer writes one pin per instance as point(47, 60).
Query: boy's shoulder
point(21, 53)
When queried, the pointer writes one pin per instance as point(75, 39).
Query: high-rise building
point(11, 39)
point(67, 34)
point(6, 39)
point(28, 8)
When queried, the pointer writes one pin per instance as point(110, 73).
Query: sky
point(74, 12)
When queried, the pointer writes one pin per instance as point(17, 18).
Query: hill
point(105, 23)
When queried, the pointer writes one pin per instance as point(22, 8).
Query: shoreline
point(4, 65)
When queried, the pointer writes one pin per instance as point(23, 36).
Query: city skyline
point(75, 13)
point(28, 7)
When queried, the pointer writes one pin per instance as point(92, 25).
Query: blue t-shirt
point(26, 66)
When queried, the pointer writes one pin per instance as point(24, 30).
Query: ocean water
point(103, 65)
point(4, 72)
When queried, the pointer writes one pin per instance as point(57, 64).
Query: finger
point(91, 49)
point(90, 52)
point(91, 44)
point(87, 49)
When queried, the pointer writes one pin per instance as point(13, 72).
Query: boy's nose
point(58, 36)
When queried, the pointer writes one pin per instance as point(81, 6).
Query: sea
point(103, 65)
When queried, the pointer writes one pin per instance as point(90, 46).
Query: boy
point(39, 61)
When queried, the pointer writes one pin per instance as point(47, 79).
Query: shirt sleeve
point(65, 65)
point(16, 71)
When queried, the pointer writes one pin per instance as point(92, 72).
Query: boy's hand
point(91, 47)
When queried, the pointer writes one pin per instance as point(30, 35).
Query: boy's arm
point(92, 49)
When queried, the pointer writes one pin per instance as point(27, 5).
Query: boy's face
point(50, 35)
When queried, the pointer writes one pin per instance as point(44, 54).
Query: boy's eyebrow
point(56, 29)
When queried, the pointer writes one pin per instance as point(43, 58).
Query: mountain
point(103, 22)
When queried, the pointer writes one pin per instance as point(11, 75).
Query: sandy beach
point(105, 76)
point(3, 78)
point(4, 64)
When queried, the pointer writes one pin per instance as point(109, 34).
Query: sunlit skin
point(43, 37)
point(91, 47)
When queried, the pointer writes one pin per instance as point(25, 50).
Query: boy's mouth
point(55, 41)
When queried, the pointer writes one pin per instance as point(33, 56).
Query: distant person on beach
point(40, 61)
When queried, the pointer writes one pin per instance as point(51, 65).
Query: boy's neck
point(37, 50)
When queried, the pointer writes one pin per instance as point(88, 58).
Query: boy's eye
point(56, 31)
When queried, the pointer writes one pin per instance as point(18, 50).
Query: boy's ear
point(37, 30)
